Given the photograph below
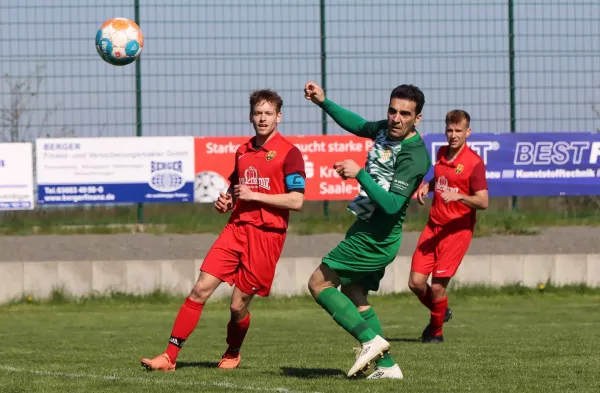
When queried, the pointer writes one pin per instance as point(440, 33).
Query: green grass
point(533, 214)
point(513, 339)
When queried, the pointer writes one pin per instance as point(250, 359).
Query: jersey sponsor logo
point(441, 185)
point(271, 154)
point(459, 168)
point(399, 184)
point(386, 155)
point(252, 180)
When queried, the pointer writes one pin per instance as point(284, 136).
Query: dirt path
point(563, 240)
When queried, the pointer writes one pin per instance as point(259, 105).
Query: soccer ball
point(119, 41)
point(208, 185)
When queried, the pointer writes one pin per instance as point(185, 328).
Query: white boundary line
point(151, 381)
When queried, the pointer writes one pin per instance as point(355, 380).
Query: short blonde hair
point(456, 116)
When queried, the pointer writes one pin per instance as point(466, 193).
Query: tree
point(19, 114)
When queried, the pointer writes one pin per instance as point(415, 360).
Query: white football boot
point(393, 372)
point(369, 351)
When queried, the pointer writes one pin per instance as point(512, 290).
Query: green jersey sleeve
point(411, 167)
point(389, 203)
point(352, 122)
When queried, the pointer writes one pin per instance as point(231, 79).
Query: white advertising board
point(114, 170)
point(16, 176)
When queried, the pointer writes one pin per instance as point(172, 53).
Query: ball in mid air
point(119, 41)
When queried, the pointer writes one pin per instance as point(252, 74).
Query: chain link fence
point(522, 66)
point(201, 60)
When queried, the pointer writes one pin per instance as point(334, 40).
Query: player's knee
point(315, 284)
point(312, 287)
point(200, 293)
point(238, 310)
point(438, 291)
point(416, 285)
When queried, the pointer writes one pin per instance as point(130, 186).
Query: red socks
point(236, 332)
point(438, 311)
point(185, 323)
point(425, 298)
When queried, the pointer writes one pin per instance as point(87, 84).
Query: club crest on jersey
point(271, 154)
point(459, 168)
point(386, 154)
point(252, 180)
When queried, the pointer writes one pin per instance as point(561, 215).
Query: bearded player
point(267, 182)
point(393, 171)
point(459, 189)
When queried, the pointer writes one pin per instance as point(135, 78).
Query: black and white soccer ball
point(208, 185)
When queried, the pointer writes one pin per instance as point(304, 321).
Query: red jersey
point(465, 174)
point(264, 169)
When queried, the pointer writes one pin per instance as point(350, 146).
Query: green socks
point(345, 314)
point(371, 318)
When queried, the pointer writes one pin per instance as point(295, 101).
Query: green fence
point(522, 66)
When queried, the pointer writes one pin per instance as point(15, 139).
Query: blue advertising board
point(535, 164)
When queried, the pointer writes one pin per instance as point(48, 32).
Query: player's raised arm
point(346, 119)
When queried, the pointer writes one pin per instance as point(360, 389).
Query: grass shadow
point(197, 364)
point(403, 340)
point(311, 373)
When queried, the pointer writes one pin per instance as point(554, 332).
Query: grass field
point(533, 214)
point(512, 340)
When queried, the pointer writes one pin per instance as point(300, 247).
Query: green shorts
point(369, 281)
point(361, 259)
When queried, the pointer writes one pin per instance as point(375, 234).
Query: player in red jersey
point(459, 189)
point(267, 182)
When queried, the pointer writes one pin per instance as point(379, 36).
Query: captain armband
point(295, 182)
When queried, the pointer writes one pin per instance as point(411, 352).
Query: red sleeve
point(233, 178)
point(477, 179)
point(294, 163)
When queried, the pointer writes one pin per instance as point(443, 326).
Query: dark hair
point(456, 116)
point(410, 93)
point(268, 95)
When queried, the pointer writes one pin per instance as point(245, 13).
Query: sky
point(202, 59)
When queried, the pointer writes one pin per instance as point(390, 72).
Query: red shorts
point(441, 250)
point(245, 256)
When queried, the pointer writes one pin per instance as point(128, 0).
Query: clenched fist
point(347, 169)
point(314, 93)
point(224, 202)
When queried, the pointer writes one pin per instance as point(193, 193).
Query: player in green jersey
point(393, 171)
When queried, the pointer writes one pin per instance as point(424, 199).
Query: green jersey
point(393, 172)
point(397, 167)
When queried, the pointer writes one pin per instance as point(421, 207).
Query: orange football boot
point(159, 363)
point(230, 361)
